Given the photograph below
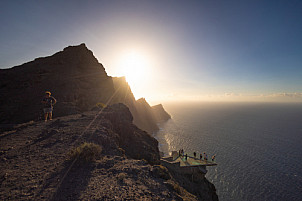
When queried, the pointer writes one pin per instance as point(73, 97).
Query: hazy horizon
point(170, 51)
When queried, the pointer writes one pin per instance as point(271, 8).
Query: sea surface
point(258, 146)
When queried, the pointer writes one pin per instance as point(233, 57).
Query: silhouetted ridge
point(73, 56)
point(160, 113)
point(75, 78)
point(144, 116)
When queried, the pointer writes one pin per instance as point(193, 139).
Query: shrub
point(86, 152)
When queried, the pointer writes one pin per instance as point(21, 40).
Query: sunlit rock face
point(74, 77)
point(144, 116)
point(160, 114)
point(148, 121)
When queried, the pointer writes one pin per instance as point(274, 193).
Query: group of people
point(182, 153)
point(203, 156)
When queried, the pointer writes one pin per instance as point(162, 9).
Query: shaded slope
point(34, 166)
point(73, 75)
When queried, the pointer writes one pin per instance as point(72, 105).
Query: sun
point(136, 68)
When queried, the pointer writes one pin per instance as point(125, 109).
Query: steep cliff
point(136, 143)
point(148, 121)
point(160, 113)
point(145, 116)
point(75, 78)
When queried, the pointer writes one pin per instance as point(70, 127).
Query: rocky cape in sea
point(36, 156)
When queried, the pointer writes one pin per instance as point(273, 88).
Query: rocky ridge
point(75, 78)
point(35, 163)
point(145, 116)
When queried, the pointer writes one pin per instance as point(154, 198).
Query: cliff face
point(196, 184)
point(136, 143)
point(73, 75)
point(75, 78)
point(160, 114)
point(145, 116)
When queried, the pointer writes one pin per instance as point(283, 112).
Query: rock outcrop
point(160, 113)
point(146, 147)
point(73, 75)
point(35, 162)
point(196, 184)
point(145, 116)
point(75, 78)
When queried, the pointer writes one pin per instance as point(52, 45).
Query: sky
point(169, 50)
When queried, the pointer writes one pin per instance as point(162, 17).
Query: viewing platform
point(186, 165)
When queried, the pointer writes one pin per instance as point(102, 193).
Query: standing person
point(194, 154)
point(200, 156)
point(48, 102)
point(205, 156)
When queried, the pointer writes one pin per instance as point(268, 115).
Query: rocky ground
point(36, 165)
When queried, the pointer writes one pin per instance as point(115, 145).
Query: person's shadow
point(68, 183)
point(74, 183)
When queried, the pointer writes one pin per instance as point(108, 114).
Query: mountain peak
point(82, 46)
point(77, 55)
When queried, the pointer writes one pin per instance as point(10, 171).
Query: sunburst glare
point(135, 66)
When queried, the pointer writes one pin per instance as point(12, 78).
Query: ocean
point(258, 146)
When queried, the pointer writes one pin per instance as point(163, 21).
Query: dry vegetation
point(86, 152)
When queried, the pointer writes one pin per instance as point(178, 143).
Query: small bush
point(86, 152)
